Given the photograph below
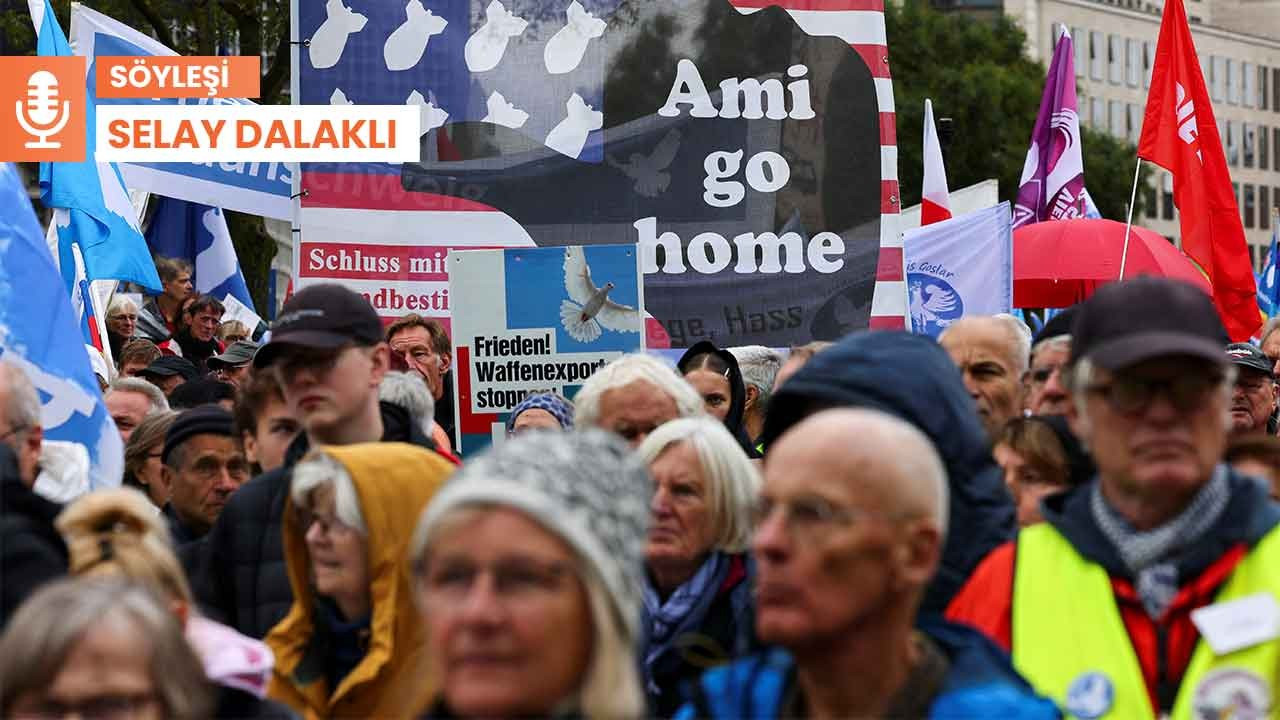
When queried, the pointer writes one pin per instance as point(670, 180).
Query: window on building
point(1233, 144)
point(1116, 120)
point(1150, 203)
point(1218, 78)
point(1166, 197)
point(1264, 93)
point(1133, 61)
point(1080, 42)
point(1250, 78)
point(1275, 149)
point(1096, 55)
point(1249, 207)
point(1115, 59)
point(1275, 90)
point(1247, 140)
point(1148, 59)
point(1264, 208)
point(1097, 113)
point(1133, 122)
point(1264, 150)
point(1233, 83)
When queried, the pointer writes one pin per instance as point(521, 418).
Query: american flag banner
point(748, 149)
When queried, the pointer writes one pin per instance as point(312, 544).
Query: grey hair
point(626, 370)
point(23, 402)
point(1018, 332)
point(142, 387)
point(759, 366)
point(320, 470)
point(1080, 376)
point(1057, 342)
point(409, 391)
point(119, 304)
point(51, 622)
point(732, 479)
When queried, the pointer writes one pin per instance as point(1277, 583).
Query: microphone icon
point(42, 117)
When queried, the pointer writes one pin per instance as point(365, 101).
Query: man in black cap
point(328, 355)
point(168, 372)
point(233, 365)
point(1096, 604)
point(203, 465)
point(1253, 402)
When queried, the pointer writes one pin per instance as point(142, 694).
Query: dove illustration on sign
point(934, 304)
point(339, 98)
point(570, 136)
point(405, 46)
point(589, 308)
point(330, 39)
point(485, 48)
point(649, 170)
point(564, 51)
point(504, 113)
point(431, 116)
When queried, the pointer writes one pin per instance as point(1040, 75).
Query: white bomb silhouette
point(569, 137)
point(431, 116)
point(485, 48)
point(504, 113)
point(405, 46)
point(339, 98)
point(330, 39)
point(565, 49)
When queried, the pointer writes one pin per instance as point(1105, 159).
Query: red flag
point(1179, 133)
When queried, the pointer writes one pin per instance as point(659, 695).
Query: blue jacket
point(911, 377)
point(980, 683)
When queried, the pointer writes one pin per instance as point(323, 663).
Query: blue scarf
point(682, 612)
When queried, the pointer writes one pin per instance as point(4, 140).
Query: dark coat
point(912, 378)
point(737, 391)
point(239, 576)
point(32, 551)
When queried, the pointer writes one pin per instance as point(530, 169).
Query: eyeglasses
point(328, 525)
point(1130, 395)
point(514, 581)
point(807, 517)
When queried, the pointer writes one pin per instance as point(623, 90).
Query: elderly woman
point(714, 373)
point(633, 395)
point(545, 411)
point(350, 644)
point(528, 575)
point(98, 648)
point(697, 595)
point(142, 467)
point(122, 322)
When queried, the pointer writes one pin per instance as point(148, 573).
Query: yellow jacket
point(394, 482)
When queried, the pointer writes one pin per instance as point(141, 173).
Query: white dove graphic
point(648, 171)
point(589, 307)
point(504, 113)
point(330, 39)
point(406, 45)
point(430, 116)
point(925, 310)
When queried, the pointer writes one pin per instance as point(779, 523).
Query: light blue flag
point(92, 212)
point(957, 267)
point(1268, 287)
point(198, 233)
point(39, 333)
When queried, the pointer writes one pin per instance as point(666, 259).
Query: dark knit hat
point(203, 420)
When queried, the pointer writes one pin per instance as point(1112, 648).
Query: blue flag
point(92, 212)
point(39, 333)
point(1268, 288)
point(198, 233)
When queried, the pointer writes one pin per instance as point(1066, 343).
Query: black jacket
point(737, 391)
point(31, 549)
point(912, 378)
point(444, 410)
point(239, 575)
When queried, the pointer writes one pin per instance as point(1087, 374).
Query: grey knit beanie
point(586, 487)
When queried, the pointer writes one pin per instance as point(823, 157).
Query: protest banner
point(957, 267)
point(534, 320)
point(753, 162)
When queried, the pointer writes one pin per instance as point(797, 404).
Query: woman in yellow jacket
point(352, 644)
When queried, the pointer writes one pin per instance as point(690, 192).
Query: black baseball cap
point(1249, 357)
point(239, 353)
point(170, 365)
point(1057, 326)
point(1127, 322)
point(323, 317)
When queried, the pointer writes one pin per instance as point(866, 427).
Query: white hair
point(409, 391)
point(1057, 342)
point(1018, 332)
point(142, 387)
point(759, 366)
point(626, 370)
point(119, 304)
point(732, 479)
point(320, 470)
point(22, 403)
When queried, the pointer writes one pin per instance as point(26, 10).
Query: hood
point(912, 378)
point(64, 471)
point(394, 482)
point(737, 389)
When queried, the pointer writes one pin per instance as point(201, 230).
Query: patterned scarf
point(1148, 554)
point(664, 622)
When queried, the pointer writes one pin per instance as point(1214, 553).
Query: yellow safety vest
point(1070, 642)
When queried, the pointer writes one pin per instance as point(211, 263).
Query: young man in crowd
point(162, 314)
point(197, 337)
point(203, 465)
point(426, 349)
point(135, 356)
point(264, 422)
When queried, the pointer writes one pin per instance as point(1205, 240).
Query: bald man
point(991, 353)
point(853, 515)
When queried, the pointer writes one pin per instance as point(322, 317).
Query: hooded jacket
point(737, 390)
point(32, 551)
point(912, 378)
point(393, 483)
point(237, 570)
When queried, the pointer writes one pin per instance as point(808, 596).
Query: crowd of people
point(1080, 523)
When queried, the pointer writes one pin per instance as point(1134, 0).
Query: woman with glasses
point(122, 322)
point(528, 571)
point(351, 645)
point(697, 610)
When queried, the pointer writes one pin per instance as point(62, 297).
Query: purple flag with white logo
point(1052, 185)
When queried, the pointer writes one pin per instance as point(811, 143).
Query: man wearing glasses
point(1151, 590)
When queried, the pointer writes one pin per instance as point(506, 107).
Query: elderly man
point(55, 470)
point(235, 363)
point(1271, 342)
point(632, 396)
point(203, 464)
point(991, 353)
point(1253, 400)
point(1042, 385)
point(168, 372)
point(851, 523)
point(1098, 605)
point(130, 400)
point(759, 366)
point(425, 348)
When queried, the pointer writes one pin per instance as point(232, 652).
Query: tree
point(977, 73)
point(197, 27)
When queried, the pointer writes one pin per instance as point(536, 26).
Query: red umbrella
point(1058, 263)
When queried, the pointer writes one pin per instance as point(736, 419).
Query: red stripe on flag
point(889, 265)
point(876, 57)
point(889, 197)
point(369, 191)
point(871, 5)
point(887, 322)
point(931, 212)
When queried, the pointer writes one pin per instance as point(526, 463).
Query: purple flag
point(1052, 185)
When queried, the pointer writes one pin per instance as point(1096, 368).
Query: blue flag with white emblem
point(198, 233)
point(1268, 287)
point(957, 267)
point(39, 333)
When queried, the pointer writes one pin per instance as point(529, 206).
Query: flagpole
point(1128, 222)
